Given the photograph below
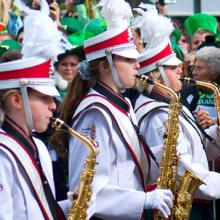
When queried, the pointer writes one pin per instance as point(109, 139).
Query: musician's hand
point(203, 118)
point(65, 205)
point(160, 199)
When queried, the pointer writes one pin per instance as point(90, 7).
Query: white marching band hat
point(154, 58)
point(29, 72)
point(155, 33)
point(42, 43)
point(118, 37)
point(119, 40)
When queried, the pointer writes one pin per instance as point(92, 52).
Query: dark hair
point(77, 89)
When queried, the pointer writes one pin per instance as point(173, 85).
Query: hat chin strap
point(27, 108)
point(164, 76)
point(108, 53)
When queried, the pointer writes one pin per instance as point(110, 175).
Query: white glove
point(161, 199)
point(65, 206)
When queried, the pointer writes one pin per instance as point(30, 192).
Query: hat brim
point(172, 61)
point(49, 90)
point(128, 53)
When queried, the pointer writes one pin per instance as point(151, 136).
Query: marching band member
point(160, 64)
point(26, 105)
point(95, 97)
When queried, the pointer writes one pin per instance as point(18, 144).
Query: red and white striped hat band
point(118, 39)
point(38, 71)
point(149, 60)
point(31, 72)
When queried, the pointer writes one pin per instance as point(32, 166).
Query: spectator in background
point(184, 41)
point(199, 37)
point(161, 7)
point(189, 62)
point(10, 56)
point(198, 26)
point(66, 68)
point(9, 45)
point(206, 68)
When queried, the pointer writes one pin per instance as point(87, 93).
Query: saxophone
point(168, 176)
point(84, 190)
point(210, 85)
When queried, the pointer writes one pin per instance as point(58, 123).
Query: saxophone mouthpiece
point(57, 123)
point(188, 80)
point(145, 79)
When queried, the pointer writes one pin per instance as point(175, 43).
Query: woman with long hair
point(95, 97)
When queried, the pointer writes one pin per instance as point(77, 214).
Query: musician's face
point(173, 74)
point(42, 108)
point(127, 69)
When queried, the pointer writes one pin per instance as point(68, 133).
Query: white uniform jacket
point(118, 191)
point(190, 143)
point(16, 197)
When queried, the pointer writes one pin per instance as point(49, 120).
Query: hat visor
point(128, 53)
point(49, 90)
point(172, 61)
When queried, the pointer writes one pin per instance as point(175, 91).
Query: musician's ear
point(13, 100)
point(104, 67)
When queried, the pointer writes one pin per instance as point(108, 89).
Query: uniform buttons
point(45, 182)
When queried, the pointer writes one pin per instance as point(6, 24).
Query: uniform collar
point(15, 131)
point(112, 96)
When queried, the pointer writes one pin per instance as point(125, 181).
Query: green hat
point(200, 21)
point(96, 26)
point(7, 45)
point(92, 28)
point(72, 24)
point(77, 39)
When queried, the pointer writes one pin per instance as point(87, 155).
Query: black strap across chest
point(16, 132)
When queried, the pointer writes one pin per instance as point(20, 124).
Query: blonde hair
point(4, 16)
